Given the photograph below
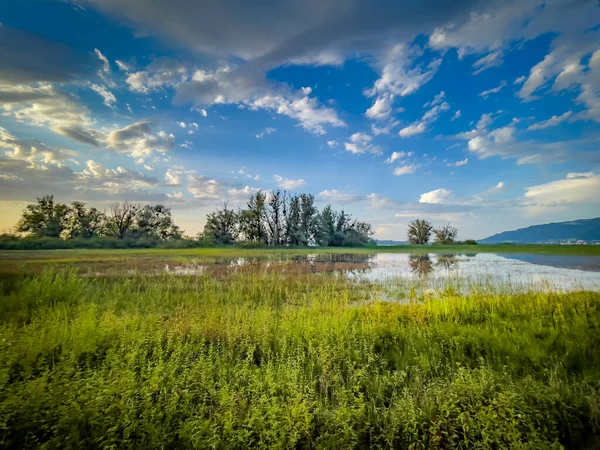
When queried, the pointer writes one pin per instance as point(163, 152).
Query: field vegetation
point(288, 359)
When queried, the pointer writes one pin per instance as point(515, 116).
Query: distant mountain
point(390, 242)
point(587, 230)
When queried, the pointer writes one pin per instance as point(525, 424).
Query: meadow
point(287, 358)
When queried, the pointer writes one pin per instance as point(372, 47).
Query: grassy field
point(280, 359)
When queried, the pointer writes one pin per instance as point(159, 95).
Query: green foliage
point(419, 232)
point(445, 235)
point(276, 360)
point(43, 219)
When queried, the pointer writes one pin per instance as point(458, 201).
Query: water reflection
point(420, 265)
point(564, 272)
point(447, 262)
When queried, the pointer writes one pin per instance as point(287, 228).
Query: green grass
point(293, 360)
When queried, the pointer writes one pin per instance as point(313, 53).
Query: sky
point(484, 114)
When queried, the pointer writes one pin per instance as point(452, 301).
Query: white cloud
point(173, 177)
point(551, 122)
point(520, 80)
point(98, 177)
point(332, 143)
point(485, 121)
point(459, 163)
point(265, 132)
point(108, 97)
point(493, 59)
point(411, 130)
point(395, 156)
point(360, 143)
point(381, 108)
point(574, 188)
point(34, 152)
point(400, 76)
point(137, 140)
point(182, 124)
point(227, 86)
point(338, 197)
point(495, 90)
point(160, 74)
point(405, 170)
point(287, 183)
point(43, 105)
point(385, 129)
point(456, 115)
point(437, 196)
point(437, 107)
point(439, 98)
point(202, 187)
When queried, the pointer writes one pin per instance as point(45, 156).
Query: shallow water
point(564, 273)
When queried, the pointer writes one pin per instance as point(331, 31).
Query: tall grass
point(295, 360)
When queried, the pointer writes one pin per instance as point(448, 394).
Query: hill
point(587, 230)
point(388, 242)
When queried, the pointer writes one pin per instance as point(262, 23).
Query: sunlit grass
point(287, 359)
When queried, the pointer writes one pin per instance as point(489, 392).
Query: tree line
point(420, 231)
point(270, 218)
point(278, 219)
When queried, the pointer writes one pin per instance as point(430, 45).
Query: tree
point(45, 218)
point(120, 219)
point(275, 217)
point(419, 232)
point(82, 223)
point(222, 226)
point(292, 222)
point(307, 219)
point(445, 235)
point(156, 222)
point(252, 219)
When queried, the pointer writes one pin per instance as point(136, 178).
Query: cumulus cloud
point(98, 177)
point(137, 140)
point(435, 196)
point(456, 115)
point(396, 156)
point(332, 143)
point(360, 143)
point(43, 105)
point(160, 74)
point(411, 130)
point(287, 183)
point(227, 86)
point(33, 151)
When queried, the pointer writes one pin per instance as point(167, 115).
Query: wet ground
point(560, 272)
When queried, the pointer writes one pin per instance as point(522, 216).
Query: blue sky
point(479, 113)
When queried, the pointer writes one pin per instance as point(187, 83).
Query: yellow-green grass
point(293, 360)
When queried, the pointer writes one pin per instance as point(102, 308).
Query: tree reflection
point(448, 262)
point(420, 265)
